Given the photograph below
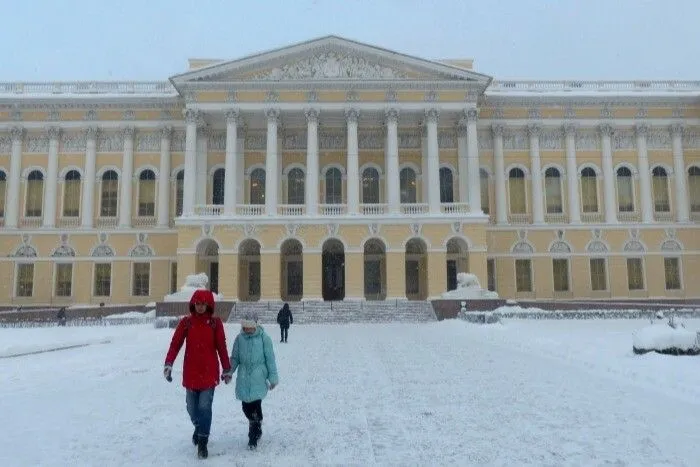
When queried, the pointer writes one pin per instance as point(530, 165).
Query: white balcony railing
point(663, 216)
point(574, 86)
point(291, 209)
point(332, 209)
point(373, 209)
point(519, 218)
point(107, 222)
point(592, 217)
point(414, 208)
point(208, 210)
point(30, 222)
point(628, 216)
point(143, 221)
point(556, 218)
point(68, 221)
point(250, 209)
point(454, 208)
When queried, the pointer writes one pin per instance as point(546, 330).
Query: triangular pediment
point(329, 58)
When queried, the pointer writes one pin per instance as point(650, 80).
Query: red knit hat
point(202, 296)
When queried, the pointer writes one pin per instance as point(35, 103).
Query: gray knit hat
point(249, 319)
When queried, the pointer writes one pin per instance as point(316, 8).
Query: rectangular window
point(484, 188)
point(672, 271)
point(599, 280)
point(523, 275)
point(110, 194)
point(71, 198)
point(25, 280)
point(491, 274)
point(3, 182)
point(64, 280)
point(141, 280)
point(173, 277)
point(103, 280)
point(560, 270)
point(635, 274)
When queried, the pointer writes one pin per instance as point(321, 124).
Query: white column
point(433, 179)
point(644, 174)
point(536, 170)
point(424, 163)
point(164, 182)
point(353, 182)
point(473, 163)
point(606, 132)
point(682, 211)
point(88, 207)
point(462, 162)
point(192, 117)
point(312, 169)
point(231, 163)
point(499, 175)
point(572, 178)
point(127, 179)
point(240, 167)
point(271, 175)
point(13, 182)
point(392, 161)
point(51, 178)
point(200, 195)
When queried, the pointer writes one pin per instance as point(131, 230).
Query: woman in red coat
point(206, 346)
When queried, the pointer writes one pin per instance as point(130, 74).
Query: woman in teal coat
point(254, 358)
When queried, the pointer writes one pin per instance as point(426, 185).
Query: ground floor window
point(672, 271)
point(141, 280)
point(599, 280)
point(173, 277)
point(523, 275)
point(560, 270)
point(635, 274)
point(64, 280)
point(103, 280)
point(491, 274)
point(25, 280)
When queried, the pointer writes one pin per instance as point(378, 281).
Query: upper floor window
point(516, 191)
point(218, 187)
point(296, 193)
point(257, 186)
point(35, 194)
point(334, 186)
point(109, 194)
point(179, 192)
point(625, 190)
point(552, 191)
point(407, 183)
point(147, 193)
point(370, 186)
point(446, 186)
point(659, 181)
point(71, 194)
point(694, 188)
point(589, 190)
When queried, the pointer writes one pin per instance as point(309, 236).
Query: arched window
point(109, 194)
point(147, 193)
point(484, 188)
point(334, 186)
point(35, 194)
point(257, 186)
point(407, 181)
point(3, 182)
point(552, 191)
point(694, 188)
point(625, 190)
point(217, 187)
point(446, 186)
point(516, 191)
point(71, 194)
point(295, 186)
point(370, 186)
point(589, 190)
point(179, 192)
point(659, 182)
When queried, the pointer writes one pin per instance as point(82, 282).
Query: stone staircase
point(337, 312)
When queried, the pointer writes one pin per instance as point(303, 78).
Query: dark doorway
point(292, 270)
point(214, 277)
point(333, 266)
point(451, 274)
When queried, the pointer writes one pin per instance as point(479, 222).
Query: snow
point(661, 336)
point(523, 392)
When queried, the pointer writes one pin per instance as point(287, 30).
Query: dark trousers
point(253, 410)
point(284, 332)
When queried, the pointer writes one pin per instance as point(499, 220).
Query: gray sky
point(52, 40)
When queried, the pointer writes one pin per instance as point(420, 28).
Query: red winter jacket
point(205, 337)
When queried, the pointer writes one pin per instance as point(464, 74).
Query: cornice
point(603, 99)
point(347, 85)
point(174, 103)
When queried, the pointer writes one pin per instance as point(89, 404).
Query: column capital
point(498, 130)
point(54, 132)
point(677, 129)
point(471, 114)
point(166, 132)
point(606, 129)
point(641, 129)
point(203, 131)
point(392, 115)
point(570, 129)
point(91, 132)
point(534, 129)
point(232, 116)
point(192, 116)
point(17, 133)
point(128, 132)
point(462, 128)
point(352, 115)
point(311, 115)
point(273, 115)
point(432, 115)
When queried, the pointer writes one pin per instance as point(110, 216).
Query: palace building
point(337, 170)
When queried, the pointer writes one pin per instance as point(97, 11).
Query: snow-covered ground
point(524, 392)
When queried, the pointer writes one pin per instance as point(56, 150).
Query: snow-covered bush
point(166, 322)
point(670, 338)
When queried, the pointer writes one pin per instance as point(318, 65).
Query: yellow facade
point(624, 224)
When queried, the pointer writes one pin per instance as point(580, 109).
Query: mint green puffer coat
point(254, 360)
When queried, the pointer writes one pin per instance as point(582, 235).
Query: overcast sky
point(52, 40)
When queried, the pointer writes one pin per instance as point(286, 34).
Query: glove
point(226, 377)
point(272, 386)
point(167, 372)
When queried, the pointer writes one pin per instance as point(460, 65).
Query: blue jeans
point(199, 408)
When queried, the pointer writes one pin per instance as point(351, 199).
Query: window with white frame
point(141, 280)
point(694, 188)
point(334, 186)
point(516, 191)
point(672, 273)
point(625, 190)
point(370, 186)
point(552, 191)
point(560, 272)
point(485, 192)
point(64, 280)
point(109, 194)
point(71, 194)
point(218, 186)
point(659, 183)
point(599, 276)
point(35, 194)
point(635, 274)
point(257, 186)
point(25, 280)
point(523, 275)
point(589, 190)
point(179, 192)
point(103, 280)
point(447, 194)
point(407, 184)
point(296, 192)
point(147, 193)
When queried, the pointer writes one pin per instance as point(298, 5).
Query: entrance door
point(333, 264)
point(295, 279)
point(451, 274)
point(254, 279)
point(214, 277)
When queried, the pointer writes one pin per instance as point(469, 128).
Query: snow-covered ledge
point(160, 88)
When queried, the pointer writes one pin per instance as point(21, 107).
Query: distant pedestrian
point(284, 319)
point(61, 316)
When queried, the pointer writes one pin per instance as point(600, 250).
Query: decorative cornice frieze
point(129, 115)
point(641, 129)
point(90, 115)
point(53, 132)
point(605, 129)
point(569, 129)
point(128, 132)
point(497, 130)
point(677, 129)
point(17, 133)
point(534, 129)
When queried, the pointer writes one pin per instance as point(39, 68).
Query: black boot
point(254, 434)
point(202, 451)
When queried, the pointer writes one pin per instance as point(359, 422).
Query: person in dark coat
point(61, 316)
point(284, 319)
